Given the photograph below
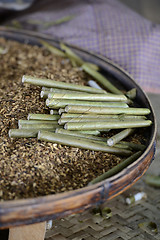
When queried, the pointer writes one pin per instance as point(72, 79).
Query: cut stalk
point(94, 132)
point(106, 125)
point(30, 122)
point(101, 79)
point(119, 136)
point(53, 49)
point(62, 121)
point(134, 146)
point(117, 168)
point(44, 93)
point(105, 110)
point(79, 134)
point(88, 97)
point(58, 103)
point(23, 133)
point(39, 126)
point(62, 85)
point(48, 117)
point(99, 116)
point(80, 143)
point(76, 59)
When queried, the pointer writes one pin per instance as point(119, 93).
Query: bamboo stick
point(106, 125)
point(105, 110)
point(119, 136)
point(80, 143)
point(48, 117)
point(88, 97)
point(62, 85)
point(58, 103)
point(101, 79)
point(117, 168)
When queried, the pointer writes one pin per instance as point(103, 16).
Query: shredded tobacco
point(29, 168)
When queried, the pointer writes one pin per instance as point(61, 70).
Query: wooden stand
point(28, 232)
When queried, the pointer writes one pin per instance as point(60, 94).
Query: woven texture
point(108, 28)
point(122, 225)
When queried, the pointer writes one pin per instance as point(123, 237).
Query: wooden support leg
point(28, 232)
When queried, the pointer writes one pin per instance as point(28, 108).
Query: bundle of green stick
point(79, 114)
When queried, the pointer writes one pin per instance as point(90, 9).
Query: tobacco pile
point(30, 168)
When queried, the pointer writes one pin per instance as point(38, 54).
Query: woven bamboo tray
point(21, 212)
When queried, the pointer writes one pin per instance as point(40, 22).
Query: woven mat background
point(123, 225)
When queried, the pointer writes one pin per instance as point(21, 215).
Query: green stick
point(74, 57)
point(99, 116)
point(52, 91)
point(30, 122)
point(119, 136)
point(117, 168)
point(55, 84)
point(48, 117)
point(79, 134)
point(80, 143)
point(61, 121)
point(101, 79)
point(58, 103)
point(93, 132)
point(53, 49)
point(135, 146)
point(153, 180)
point(104, 110)
point(88, 97)
point(106, 125)
point(101, 140)
point(39, 126)
point(23, 133)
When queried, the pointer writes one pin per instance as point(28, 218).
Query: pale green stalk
point(52, 49)
point(101, 79)
point(23, 133)
point(48, 117)
point(99, 116)
point(106, 110)
point(44, 82)
point(117, 168)
point(88, 97)
point(80, 143)
point(119, 136)
point(30, 122)
point(58, 103)
point(106, 125)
